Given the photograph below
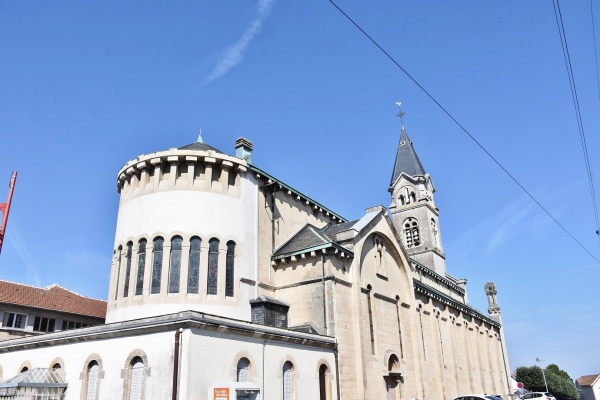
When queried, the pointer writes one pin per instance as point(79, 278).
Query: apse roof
point(53, 297)
point(199, 146)
point(407, 160)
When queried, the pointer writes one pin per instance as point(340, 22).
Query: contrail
point(232, 56)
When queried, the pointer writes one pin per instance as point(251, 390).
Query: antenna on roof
point(200, 137)
point(5, 207)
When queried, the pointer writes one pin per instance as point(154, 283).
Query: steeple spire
point(407, 160)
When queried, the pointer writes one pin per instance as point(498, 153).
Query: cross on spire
point(400, 113)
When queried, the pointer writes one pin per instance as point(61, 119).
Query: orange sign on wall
point(221, 394)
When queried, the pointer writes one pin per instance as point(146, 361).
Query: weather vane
point(400, 113)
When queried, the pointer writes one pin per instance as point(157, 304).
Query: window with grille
point(229, 270)
point(157, 256)
point(411, 233)
point(137, 379)
point(127, 269)
point(139, 284)
point(92, 381)
point(175, 264)
point(287, 381)
point(242, 370)
point(213, 266)
point(41, 324)
point(194, 265)
point(14, 320)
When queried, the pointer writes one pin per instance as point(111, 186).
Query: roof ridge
point(307, 225)
point(56, 285)
point(317, 232)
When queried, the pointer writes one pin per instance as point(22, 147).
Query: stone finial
point(243, 149)
point(490, 291)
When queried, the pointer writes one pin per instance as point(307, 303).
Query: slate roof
point(587, 380)
point(332, 230)
point(199, 146)
point(310, 236)
point(53, 298)
point(407, 160)
point(307, 237)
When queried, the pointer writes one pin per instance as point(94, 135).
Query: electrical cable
point(595, 47)
point(463, 129)
point(571, 76)
point(596, 60)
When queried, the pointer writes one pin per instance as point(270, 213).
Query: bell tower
point(413, 210)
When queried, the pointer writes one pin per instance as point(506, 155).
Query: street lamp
point(543, 374)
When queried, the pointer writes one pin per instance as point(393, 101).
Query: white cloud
point(518, 218)
point(20, 246)
point(232, 56)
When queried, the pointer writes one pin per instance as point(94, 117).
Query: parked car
point(538, 396)
point(480, 397)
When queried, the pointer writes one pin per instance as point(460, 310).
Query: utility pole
point(543, 373)
point(5, 207)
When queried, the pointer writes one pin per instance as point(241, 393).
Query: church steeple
point(413, 210)
point(407, 160)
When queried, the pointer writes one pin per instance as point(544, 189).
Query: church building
point(227, 283)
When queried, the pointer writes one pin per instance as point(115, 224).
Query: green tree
point(531, 377)
point(554, 368)
point(559, 383)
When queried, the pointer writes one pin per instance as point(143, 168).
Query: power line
point(596, 60)
point(569, 66)
point(595, 47)
point(463, 129)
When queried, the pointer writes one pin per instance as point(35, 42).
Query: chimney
point(243, 149)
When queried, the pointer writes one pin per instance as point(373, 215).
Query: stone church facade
point(225, 277)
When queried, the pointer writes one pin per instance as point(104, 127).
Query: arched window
point(120, 252)
point(213, 266)
point(194, 265)
point(407, 195)
point(324, 383)
point(91, 376)
point(175, 264)
point(394, 363)
point(136, 379)
point(243, 369)
point(139, 284)
point(288, 390)
point(229, 270)
point(157, 256)
point(92, 381)
point(411, 233)
point(127, 268)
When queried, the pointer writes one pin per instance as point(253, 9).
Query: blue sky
point(84, 87)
